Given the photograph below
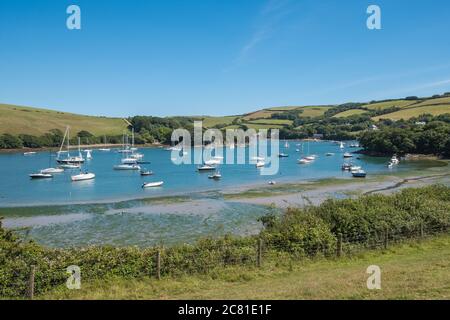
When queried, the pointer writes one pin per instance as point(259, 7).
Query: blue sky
point(218, 57)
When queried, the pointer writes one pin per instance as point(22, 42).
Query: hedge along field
point(296, 234)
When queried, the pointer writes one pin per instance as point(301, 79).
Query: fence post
point(31, 282)
point(158, 264)
point(339, 245)
point(259, 255)
point(386, 238)
point(421, 230)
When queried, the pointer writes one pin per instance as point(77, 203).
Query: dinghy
point(304, 161)
point(348, 155)
point(29, 153)
point(216, 176)
point(152, 184)
point(283, 155)
point(260, 164)
point(359, 174)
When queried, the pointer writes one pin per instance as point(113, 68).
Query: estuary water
point(114, 209)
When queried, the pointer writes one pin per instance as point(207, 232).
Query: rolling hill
point(34, 121)
point(25, 120)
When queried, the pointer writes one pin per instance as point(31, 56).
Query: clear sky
point(218, 57)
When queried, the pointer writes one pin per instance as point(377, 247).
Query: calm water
point(16, 188)
point(88, 213)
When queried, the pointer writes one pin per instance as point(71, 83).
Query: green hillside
point(24, 120)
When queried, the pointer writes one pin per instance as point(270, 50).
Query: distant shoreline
point(83, 146)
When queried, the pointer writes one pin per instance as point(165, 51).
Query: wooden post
point(386, 238)
point(158, 265)
point(421, 230)
point(259, 254)
point(339, 245)
point(31, 283)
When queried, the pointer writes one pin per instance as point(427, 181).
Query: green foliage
point(297, 233)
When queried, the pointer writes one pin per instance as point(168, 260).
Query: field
point(415, 112)
point(389, 104)
point(209, 122)
point(24, 120)
point(349, 113)
point(415, 270)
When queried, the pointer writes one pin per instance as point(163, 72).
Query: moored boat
point(40, 176)
point(83, 176)
point(153, 184)
point(359, 174)
point(52, 170)
point(127, 167)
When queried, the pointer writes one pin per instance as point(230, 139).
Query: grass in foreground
point(414, 270)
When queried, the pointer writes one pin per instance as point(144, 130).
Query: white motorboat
point(69, 166)
point(52, 170)
point(283, 155)
point(30, 153)
point(137, 156)
point(127, 167)
point(260, 164)
point(216, 176)
point(40, 176)
point(129, 161)
point(394, 160)
point(348, 155)
point(206, 167)
point(146, 173)
point(359, 174)
point(304, 161)
point(153, 184)
point(311, 158)
point(355, 169)
point(83, 176)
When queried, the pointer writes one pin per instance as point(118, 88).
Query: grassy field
point(413, 270)
point(210, 122)
point(349, 113)
point(271, 121)
point(24, 120)
point(415, 112)
point(389, 104)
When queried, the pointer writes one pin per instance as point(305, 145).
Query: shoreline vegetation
point(411, 125)
point(329, 231)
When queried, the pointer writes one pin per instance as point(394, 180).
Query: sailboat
point(104, 149)
point(86, 175)
point(50, 169)
point(127, 162)
point(308, 159)
point(88, 155)
point(341, 146)
point(69, 159)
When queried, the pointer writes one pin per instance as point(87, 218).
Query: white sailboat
point(88, 155)
point(83, 176)
point(341, 146)
point(104, 149)
point(69, 159)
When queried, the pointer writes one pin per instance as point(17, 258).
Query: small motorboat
point(283, 155)
point(394, 160)
point(83, 176)
point(355, 169)
point(346, 166)
point(52, 170)
point(206, 167)
point(311, 158)
point(216, 176)
point(152, 184)
point(127, 167)
point(260, 164)
point(129, 161)
point(304, 161)
point(348, 155)
point(212, 162)
point(40, 176)
point(359, 174)
point(146, 173)
point(69, 166)
point(29, 153)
